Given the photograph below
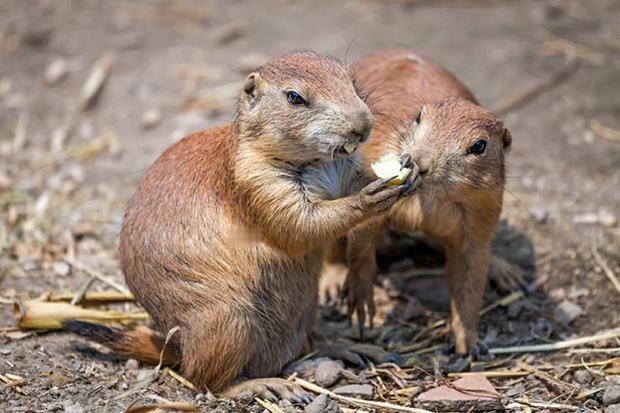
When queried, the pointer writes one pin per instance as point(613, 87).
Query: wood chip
point(95, 81)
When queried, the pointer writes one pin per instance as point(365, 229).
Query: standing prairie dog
point(422, 110)
point(224, 237)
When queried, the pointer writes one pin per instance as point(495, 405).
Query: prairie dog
point(422, 110)
point(225, 235)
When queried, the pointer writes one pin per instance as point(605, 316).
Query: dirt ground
point(66, 174)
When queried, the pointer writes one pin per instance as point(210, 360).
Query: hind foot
point(272, 389)
point(506, 276)
point(357, 353)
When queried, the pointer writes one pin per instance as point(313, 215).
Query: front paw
point(358, 293)
point(379, 196)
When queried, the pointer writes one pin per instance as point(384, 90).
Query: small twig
point(524, 402)
point(504, 301)
point(180, 378)
point(605, 132)
point(587, 393)
point(79, 296)
point(97, 77)
point(357, 402)
point(594, 363)
point(520, 99)
point(572, 49)
point(94, 273)
point(166, 406)
point(560, 345)
point(594, 350)
point(557, 383)
point(493, 374)
point(610, 274)
point(96, 297)
point(272, 407)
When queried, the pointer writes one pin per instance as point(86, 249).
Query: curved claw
point(357, 354)
point(272, 389)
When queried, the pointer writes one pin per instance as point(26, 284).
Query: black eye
point(295, 98)
point(418, 118)
point(478, 147)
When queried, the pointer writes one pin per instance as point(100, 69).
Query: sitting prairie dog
point(282, 171)
point(422, 110)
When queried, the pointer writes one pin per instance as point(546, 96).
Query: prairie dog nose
point(361, 125)
point(424, 163)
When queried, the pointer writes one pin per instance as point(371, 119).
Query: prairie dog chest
point(437, 217)
point(330, 180)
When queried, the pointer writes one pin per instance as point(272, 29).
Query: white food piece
point(350, 147)
point(389, 165)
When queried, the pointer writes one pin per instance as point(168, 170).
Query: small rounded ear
point(506, 138)
point(251, 88)
point(250, 83)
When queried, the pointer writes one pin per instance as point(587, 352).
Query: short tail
point(142, 343)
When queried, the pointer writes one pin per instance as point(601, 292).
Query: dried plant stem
point(493, 374)
point(608, 272)
point(357, 402)
point(102, 297)
point(520, 99)
point(560, 345)
point(605, 132)
point(79, 296)
point(94, 273)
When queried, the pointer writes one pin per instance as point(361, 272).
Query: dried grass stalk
point(96, 80)
point(94, 298)
point(560, 345)
point(169, 406)
point(49, 315)
point(383, 406)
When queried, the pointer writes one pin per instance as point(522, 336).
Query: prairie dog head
point(459, 147)
point(302, 107)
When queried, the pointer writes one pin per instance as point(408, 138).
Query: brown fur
point(224, 236)
point(459, 199)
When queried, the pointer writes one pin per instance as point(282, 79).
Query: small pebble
point(515, 309)
point(539, 213)
point(56, 72)
point(322, 404)
point(76, 365)
point(151, 118)
point(582, 376)
point(516, 390)
point(61, 268)
point(566, 312)
point(363, 391)
point(327, 373)
point(144, 374)
point(132, 364)
point(72, 408)
point(5, 181)
point(611, 395)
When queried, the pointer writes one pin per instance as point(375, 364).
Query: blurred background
point(91, 92)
